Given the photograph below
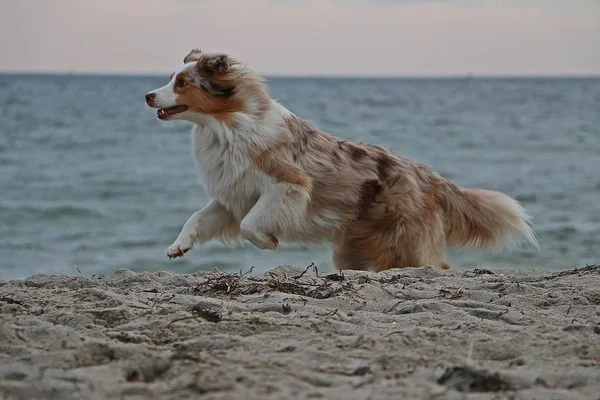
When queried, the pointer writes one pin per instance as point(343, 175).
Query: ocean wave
point(49, 213)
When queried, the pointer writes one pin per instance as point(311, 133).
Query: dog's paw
point(178, 249)
point(259, 239)
point(269, 242)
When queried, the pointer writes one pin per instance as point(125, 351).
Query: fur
point(274, 177)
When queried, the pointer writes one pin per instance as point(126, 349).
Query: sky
point(304, 37)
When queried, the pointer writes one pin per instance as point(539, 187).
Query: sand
point(294, 333)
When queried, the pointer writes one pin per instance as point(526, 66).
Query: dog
point(274, 178)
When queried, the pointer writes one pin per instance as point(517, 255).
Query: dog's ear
point(218, 63)
point(193, 55)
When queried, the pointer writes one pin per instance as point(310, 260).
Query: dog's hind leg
point(345, 256)
point(391, 243)
point(212, 221)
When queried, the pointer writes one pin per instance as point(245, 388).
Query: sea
point(92, 182)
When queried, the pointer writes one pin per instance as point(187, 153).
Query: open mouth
point(164, 113)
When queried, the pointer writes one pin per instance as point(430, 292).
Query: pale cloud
point(348, 37)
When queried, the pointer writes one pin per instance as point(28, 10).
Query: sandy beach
point(295, 333)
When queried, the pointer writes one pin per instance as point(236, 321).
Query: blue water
point(90, 177)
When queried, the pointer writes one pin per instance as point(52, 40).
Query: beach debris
point(468, 379)
point(338, 276)
point(306, 270)
point(237, 284)
point(208, 314)
point(452, 293)
point(286, 308)
point(9, 300)
point(362, 370)
point(588, 269)
point(286, 349)
point(478, 271)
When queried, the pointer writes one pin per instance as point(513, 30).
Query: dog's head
point(209, 85)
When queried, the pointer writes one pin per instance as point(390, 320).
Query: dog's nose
point(150, 97)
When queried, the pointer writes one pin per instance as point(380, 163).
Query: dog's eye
point(180, 83)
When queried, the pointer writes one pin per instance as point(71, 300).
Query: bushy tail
point(487, 219)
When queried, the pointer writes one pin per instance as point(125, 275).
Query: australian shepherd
point(274, 177)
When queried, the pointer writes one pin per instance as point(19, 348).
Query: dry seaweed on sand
point(477, 271)
point(237, 284)
point(588, 269)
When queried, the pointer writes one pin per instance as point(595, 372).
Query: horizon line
point(468, 75)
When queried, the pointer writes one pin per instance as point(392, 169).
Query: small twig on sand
point(305, 271)
point(576, 271)
point(452, 294)
point(302, 274)
point(163, 299)
point(331, 313)
point(247, 272)
point(392, 279)
point(477, 271)
point(392, 295)
point(394, 306)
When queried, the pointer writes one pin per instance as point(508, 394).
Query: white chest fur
point(227, 171)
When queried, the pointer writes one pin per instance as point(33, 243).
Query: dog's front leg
point(210, 222)
point(280, 209)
